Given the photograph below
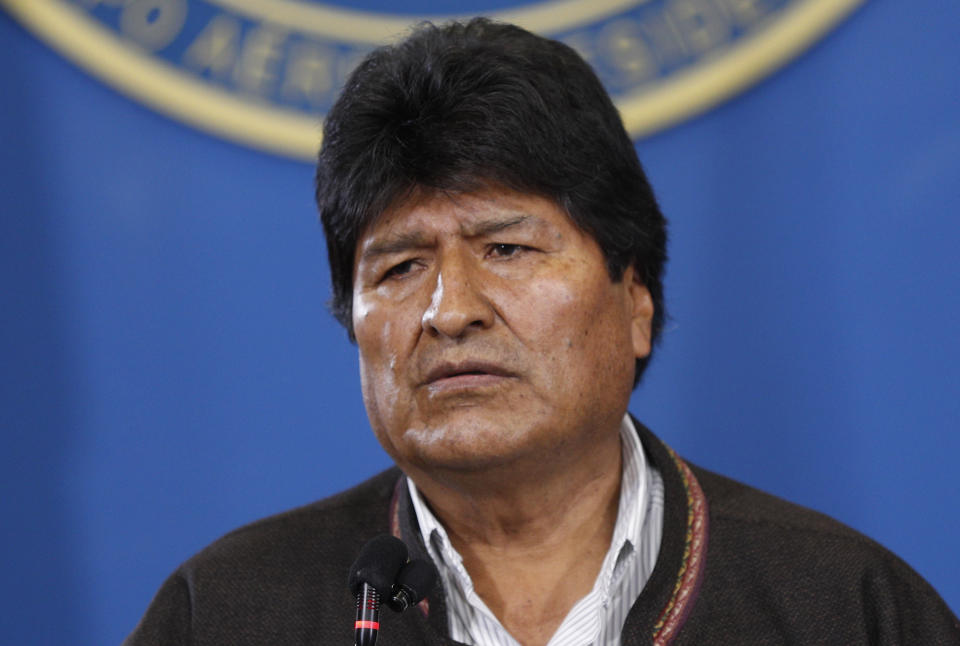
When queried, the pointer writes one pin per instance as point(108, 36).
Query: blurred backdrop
point(168, 370)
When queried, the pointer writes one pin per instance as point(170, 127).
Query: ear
point(640, 306)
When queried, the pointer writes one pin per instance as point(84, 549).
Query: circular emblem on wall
point(263, 72)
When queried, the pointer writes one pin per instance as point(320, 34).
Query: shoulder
point(735, 503)
point(326, 526)
point(313, 540)
point(809, 571)
point(282, 575)
point(751, 526)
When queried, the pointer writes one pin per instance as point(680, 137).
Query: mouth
point(466, 374)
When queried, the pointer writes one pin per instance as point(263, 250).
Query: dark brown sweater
point(736, 566)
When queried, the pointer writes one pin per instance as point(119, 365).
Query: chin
point(466, 447)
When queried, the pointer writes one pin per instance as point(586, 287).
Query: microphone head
point(377, 564)
point(414, 581)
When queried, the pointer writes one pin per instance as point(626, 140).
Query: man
point(496, 253)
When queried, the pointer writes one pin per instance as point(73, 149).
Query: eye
point(505, 250)
point(399, 270)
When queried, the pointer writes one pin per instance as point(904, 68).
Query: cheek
point(384, 342)
point(378, 365)
point(577, 330)
point(559, 309)
point(373, 324)
point(372, 331)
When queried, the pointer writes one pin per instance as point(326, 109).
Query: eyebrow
point(417, 240)
point(485, 228)
point(394, 244)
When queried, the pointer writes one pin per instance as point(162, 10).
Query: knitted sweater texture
point(736, 566)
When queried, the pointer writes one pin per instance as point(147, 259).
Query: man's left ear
point(641, 312)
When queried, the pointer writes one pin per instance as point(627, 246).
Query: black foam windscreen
point(417, 578)
point(377, 564)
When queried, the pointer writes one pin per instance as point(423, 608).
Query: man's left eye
point(504, 250)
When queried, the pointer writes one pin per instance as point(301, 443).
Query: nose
point(458, 304)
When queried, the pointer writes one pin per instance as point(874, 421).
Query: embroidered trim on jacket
point(694, 559)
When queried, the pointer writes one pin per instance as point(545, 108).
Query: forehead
point(468, 214)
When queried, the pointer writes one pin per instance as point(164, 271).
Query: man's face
point(489, 331)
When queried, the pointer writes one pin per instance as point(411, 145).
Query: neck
point(531, 504)
point(526, 529)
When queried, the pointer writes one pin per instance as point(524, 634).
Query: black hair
point(462, 106)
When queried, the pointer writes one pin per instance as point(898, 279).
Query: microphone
point(371, 579)
point(367, 625)
point(414, 582)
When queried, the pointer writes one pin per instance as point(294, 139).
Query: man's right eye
point(398, 270)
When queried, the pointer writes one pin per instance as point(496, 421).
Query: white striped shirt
point(596, 619)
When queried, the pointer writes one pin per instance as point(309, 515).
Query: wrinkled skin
point(490, 334)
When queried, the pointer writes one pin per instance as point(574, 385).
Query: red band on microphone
point(368, 624)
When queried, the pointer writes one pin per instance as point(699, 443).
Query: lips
point(465, 369)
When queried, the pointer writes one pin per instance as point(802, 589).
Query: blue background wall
point(168, 370)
